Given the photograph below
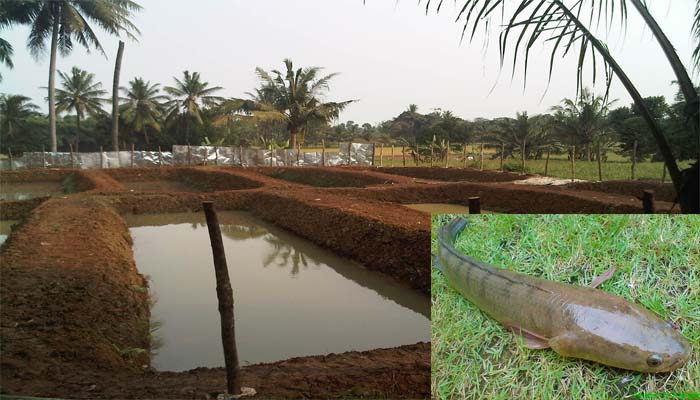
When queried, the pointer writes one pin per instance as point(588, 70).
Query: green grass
point(616, 168)
point(657, 259)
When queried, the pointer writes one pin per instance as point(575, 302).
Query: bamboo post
point(503, 151)
point(432, 154)
point(474, 205)
point(634, 158)
point(381, 155)
point(464, 155)
point(9, 155)
point(160, 157)
point(481, 156)
point(600, 166)
point(546, 161)
point(132, 154)
point(323, 153)
point(447, 155)
point(663, 175)
point(573, 163)
point(72, 160)
point(648, 201)
point(403, 154)
point(224, 294)
point(43, 157)
point(102, 158)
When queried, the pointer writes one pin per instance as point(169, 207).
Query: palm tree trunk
point(77, 133)
point(661, 141)
point(115, 97)
point(187, 130)
point(52, 80)
point(293, 138)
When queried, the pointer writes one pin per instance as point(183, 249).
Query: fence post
point(417, 154)
point(447, 155)
point(481, 156)
point(600, 166)
point(392, 156)
point(522, 159)
point(72, 160)
point(160, 157)
point(224, 294)
point(546, 161)
point(663, 175)
point(299, 153)
point(648, 201)
point(573, 162)
point(403, 155)
point(503, 151)
point(474, 205)
point(432, 154)
point(102, 161)
point(216, 155)
point(9, 155)
point(270, 154)
point(381, 155)
point(634, 158)
point(323, 153)
point(206, 155)
point(350, 152)
point(240, 154)
point(43, 157)
point(464, 155)
point(132, 154)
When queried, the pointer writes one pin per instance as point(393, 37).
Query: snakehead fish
point(580, 322)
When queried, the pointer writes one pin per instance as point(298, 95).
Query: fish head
point(624, 336)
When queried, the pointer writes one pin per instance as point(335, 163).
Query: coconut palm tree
point(14, 111)
point(187, 98)
point(79, 93)
point(14, 12)
point(61, 22)
point(567, 24)
point(296, 96)
point(142, 106)
point(584, 118)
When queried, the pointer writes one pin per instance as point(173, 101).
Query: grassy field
point(616, 168)
point(657, 260)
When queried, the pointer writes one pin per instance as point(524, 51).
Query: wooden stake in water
point(600, 166)
point(481, 156)
point(648, 201)
point(634, 158)
point(546, 161)
point(474, 205)
point(224, 293)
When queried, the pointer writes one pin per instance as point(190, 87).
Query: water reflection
point(28, 190)
point(322, 303)
point(5, 229)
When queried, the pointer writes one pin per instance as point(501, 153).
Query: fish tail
point(453, 229)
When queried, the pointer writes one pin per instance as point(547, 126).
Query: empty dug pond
point(292, 298)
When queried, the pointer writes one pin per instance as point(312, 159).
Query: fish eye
point(654, 360)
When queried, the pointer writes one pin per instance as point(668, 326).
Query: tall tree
point(142, 106)
point(14, 112)
point(81, 94)
point(14, 12)
point(188, 96)
point(115, 97)
point(296, 95)
point(60, 22)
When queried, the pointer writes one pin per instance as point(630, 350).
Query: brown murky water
point(29, 190)
point(158, 186)
point(5, 229)
point(292, 298)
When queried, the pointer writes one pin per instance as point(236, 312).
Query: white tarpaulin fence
point(348, 154)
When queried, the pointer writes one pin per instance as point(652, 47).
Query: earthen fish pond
point(330, 272)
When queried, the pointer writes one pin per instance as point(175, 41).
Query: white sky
point(389, 54)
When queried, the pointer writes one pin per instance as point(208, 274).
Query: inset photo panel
point(565, 306)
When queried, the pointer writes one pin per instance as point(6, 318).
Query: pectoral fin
point(532, 340)
point(603, 277)
point(436, 262)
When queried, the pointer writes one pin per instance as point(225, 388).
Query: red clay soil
point(662, 191)
point(452, 174)
point(324, 177)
